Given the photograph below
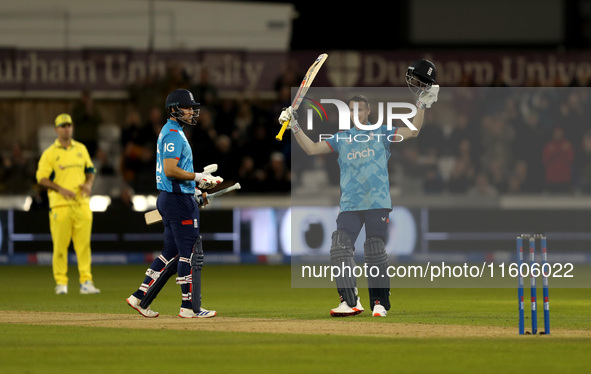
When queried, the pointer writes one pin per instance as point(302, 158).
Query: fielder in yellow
point(66, 170)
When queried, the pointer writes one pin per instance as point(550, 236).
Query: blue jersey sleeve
point(172, 145)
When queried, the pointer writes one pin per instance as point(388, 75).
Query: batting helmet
point(178, 99)
point(420, 75)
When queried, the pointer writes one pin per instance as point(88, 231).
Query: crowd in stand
point(504, 141)
point(237, 133)
point(507, 141)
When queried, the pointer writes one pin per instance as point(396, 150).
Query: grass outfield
point(264, 325)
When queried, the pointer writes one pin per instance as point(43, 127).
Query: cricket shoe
point(134, 302)
point(88, 288)
point(344, 310)
point(379, 311)
point(61, 289)
point(203, 313)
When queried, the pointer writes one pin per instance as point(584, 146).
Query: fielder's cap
point(62, 119)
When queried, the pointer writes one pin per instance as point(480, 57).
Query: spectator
point(462, 130)
point(497, 141)
point(584, 164)
point(260, 145)
point(146, 94)
point(154, 122)
point(203, 136)
point(87, 119)
point(518, 181)
point(278, 178)
point(558, 159)
point(205, 91)
point(464, 171)
point(176, 77)
point(498, 175)
point(250, 179)
point(288, 78)
point(106, 174)
point(224, 116)
point(122, 200)
point(433, 181)
point(528, 146)
point(243, 123)
point(413, 170)
point(224, 156)
point(573, 117)
point(482, 186)
point(18, 172)
point(138, 156)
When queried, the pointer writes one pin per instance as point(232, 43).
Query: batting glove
point(291, 116)
point(207, 181)
point(201, 198)
point(428, 97)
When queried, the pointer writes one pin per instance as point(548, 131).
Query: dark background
point(385, 25)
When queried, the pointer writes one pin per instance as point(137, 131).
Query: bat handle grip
point(283, 128)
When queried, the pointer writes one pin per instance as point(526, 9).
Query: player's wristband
point(295, 127)
point(198, 177)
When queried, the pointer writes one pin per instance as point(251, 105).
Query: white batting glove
point(210, 168)
point(201, 198)
point(428, 97)
point(291, 116)
point(207, 181)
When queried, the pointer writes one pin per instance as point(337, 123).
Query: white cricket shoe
point(61, 289)
point(88, 288)
point(344, 310)
point(134, 302)
point(203, 313)
point(379, 311)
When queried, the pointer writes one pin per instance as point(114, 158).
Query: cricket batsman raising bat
point(304, 86)
point(365, 199)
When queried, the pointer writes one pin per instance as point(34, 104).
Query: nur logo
point(317, 107)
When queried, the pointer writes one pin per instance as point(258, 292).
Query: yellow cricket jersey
point(66, 167)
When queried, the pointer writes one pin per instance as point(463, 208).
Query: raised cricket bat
point(304, 86)
point(153, 216)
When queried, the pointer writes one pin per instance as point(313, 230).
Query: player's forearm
point(308, 145)
point(178, 173)
point(49, 184)
point(90, 179)
point(418, 119)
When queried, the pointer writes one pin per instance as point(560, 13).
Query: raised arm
point(425, 100)
point(311, 148)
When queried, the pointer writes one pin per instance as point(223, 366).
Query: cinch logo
point(360, 154)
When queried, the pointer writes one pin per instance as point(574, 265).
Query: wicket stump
point(544, 271)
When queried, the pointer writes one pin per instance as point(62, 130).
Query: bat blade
point(304, 86)
point(154, 216)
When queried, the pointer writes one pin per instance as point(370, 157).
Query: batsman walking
point(365, 190)
point(176, 180)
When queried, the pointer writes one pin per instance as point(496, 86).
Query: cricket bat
point(153, 216)
point(304, 86)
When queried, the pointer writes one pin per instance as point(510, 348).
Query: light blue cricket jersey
point(172, 143)
point(363, 159)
